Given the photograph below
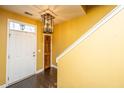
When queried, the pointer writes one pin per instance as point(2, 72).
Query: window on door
point(21, 27)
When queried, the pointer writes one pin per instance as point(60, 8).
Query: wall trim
point(19, 80)
point(3, 86)
point(91, 31)
point(39, 71)
point(54, 66)
point(45, 34)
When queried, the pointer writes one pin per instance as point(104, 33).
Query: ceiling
point(61, 12)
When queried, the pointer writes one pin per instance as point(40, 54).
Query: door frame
point(45, 34)
point(7, 49)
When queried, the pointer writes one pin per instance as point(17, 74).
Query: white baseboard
point(54, 66)
point(39, 71)
point(19, 80)
point(3, 86)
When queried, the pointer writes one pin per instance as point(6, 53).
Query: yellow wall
point(98, 61)
point(67, 32)
point(4, 15)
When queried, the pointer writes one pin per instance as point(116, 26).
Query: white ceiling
point(62, 12)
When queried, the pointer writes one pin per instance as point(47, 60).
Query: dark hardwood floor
point(45, 79)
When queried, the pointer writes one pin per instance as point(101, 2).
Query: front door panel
point(22, 51)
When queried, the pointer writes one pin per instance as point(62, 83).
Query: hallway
point(45, 79)
point(80, 46)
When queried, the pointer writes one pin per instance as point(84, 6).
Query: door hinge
point(8, 78)
point(8, 56)
point(9, 34)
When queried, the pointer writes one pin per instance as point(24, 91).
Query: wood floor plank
point(45, 79)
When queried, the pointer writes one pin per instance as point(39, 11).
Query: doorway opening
point(47, 50)
point(21, 51)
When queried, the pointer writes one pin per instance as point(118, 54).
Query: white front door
point(21, 55)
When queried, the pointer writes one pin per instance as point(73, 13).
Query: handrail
point(91, 31)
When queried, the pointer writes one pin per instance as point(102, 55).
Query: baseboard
point(39, 71)
point(54, 66)
point(3, 86)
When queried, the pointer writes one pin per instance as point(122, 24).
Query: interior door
point(47, 51)
point(21, 56)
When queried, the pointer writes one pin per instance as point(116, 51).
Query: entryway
point(21, 55)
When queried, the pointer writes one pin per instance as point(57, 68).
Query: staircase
point(96, 58)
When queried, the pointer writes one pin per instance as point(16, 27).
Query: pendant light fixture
point(47, 19)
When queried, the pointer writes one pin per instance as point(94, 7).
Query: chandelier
point(47, 19)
